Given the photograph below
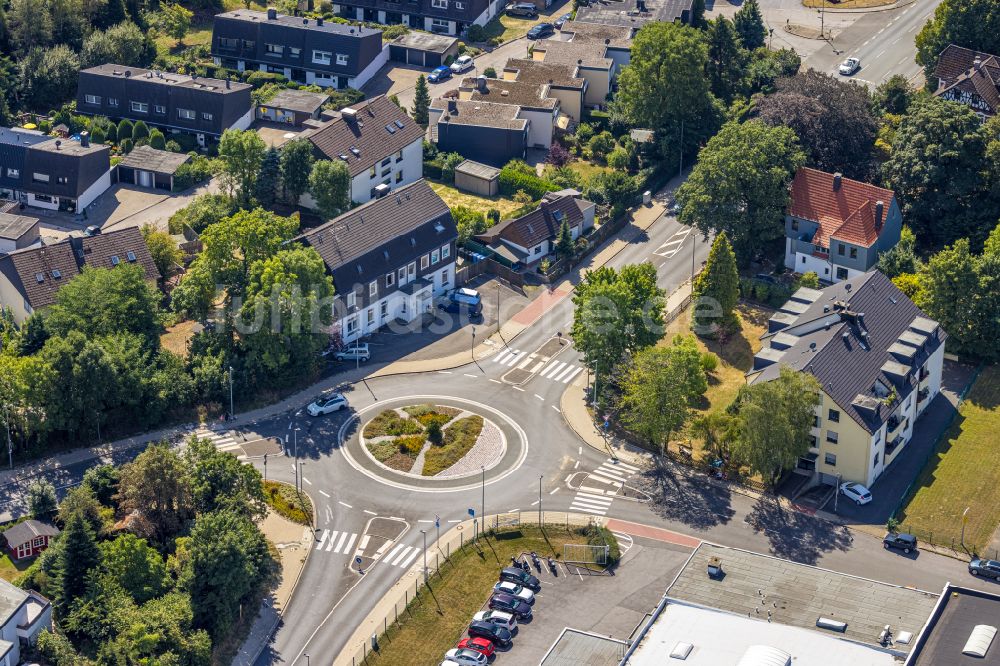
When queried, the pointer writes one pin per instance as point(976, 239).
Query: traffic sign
point(357, 560)
point(437, 521)
point(472, 512)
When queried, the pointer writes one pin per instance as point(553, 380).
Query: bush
point(513, 179)
point(98, 136)
point(126, 146)
point(490, 73)
point(709, 362)
point(618, 159)
point(601, 145)
point(198, 170)
point(392, 32)
point(172, 146)
point(432, 169)
point(435, 434)
point(602, 536)
point(410, 444)
point(206, 209)
point(448, 164)
point(288, 502)
point(157, 140)
point(475, 33)
point(257, 78)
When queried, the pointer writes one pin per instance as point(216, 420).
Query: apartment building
point(634, 13)
point(310, 51)
point(173, 102)
point(23, 615)
point(449, 17)
point(389, 258)
point(878, 360)
point(484, 132)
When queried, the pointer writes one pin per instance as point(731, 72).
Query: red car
point(478, 644)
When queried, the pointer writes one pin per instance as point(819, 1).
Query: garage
point(152, 168)
point(423, 49)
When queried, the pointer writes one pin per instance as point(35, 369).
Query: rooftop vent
point(832, 625)
point(272, 14)
point(349, 113)
point(681, 651)
point(837, 178)
point(979, 640)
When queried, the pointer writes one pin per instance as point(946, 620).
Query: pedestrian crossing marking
point(335, 541)
point(412, 556)
point(223, 441)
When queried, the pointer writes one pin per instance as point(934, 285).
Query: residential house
point(381, 146)
point(449, 17)
point(56, 174)
point(389, 258)
point(561, 81)
point(173, 102)
point(837, 227)
point(310, 51)
point(598, 52)
point(634, 13)
point(148, 167)
point(971, 78)
point(31, 278)
point(532, 100)
point(878, 360)
point(526, 240)
point(484, 132)
point(17, 232)
point(23, 615)
point(28, 538)
point(293, 107)
point(423, 49)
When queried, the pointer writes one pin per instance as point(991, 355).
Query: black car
point(508, 603)
point(521, 577)
point(491, 632)
point(988, 568)
point(904, 542)
point(541, 30)
point(458, 307)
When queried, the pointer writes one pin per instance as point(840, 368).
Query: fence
point(474, 270)
point(950, 540)
point(410, 589)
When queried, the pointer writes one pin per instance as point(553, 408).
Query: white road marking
point(370, 513)
point(553, 368)
point(343, 537)
point(570, 376)
point(345, 504)
point(324, 493)
point(554, 491)
point(307, 480)
point(329, 544)
point(425, 520)
point(395, 553)
point(470, 375)
point(405, 563)
point(557, 409)
point(518, 388)
point(496, 381)
point(444, 372)
point(540, 397)
point(454, 521)
point(347, 546)
point(322, 539)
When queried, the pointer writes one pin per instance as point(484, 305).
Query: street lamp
point(424, 532)
point(482, 513)
point(232, 414)
point(306, 655)
point(540, 477)
point(295, 455)
point(472, 350)
point(10, 443)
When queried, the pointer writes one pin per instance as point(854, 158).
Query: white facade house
point(23, 615)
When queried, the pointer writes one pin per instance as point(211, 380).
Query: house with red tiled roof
point(838, 227)
point(971, 78)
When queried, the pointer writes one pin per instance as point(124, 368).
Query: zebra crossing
point(341, 543)
point(401, 556)
point(224, 441)
point(554, 370)
point(595, 499)
point(347, 543)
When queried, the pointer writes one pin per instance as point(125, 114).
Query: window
point(373, 289)
point(112, 101)
point(402, 275)
point(352, 325)
point(322, 57)
point(411, 270)
point(39, 177)
point(341, 59)
point(140, 107)
point(841, 273)
point(459, 5)
point(816, 421)
point(399, 177)
point(435, 257)
point(372, 172)
point(352, 299)
point(440, 24)
point(439, 4)
point(390, 279)
point(227, 43)
point(160, 109)
point(834, 416)
point(386, 161)
point(803, 260)
point(249, 44)
point(832, 436)
point(371, 315)
point(38, 541)
point(92, 99)
point(795, 225)
point(62, 180)
point(830, 459)
point(186, 114)
point(13, 173)
point(274, 50)
point(44, 198)
point(445, 251)
point(206, 116)
point(840, 249)
point(424, 262)
point(384, 309)
point(875, 460)
point(294, 51)
point(399, 156)
point(854, 253)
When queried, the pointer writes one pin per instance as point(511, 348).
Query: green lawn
point(434, 623)
point(452, 197)
point(200, 33)
point(964, 472)
point(9, 570)
point(459, 438)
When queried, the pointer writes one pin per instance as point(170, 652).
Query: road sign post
point(357, 561)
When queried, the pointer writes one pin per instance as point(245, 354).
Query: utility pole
point(482, 513)
point(306, 655)
point(295, 455)
point(232, 414)
point(472, 349)
point(540, 477)
point(680, 167)
point(265, 468)
point(10, 443)
point(822, 16)
point(424, 532)
point(437, 525)
point(694, 246)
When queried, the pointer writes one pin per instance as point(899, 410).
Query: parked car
point(510, 604)
point(466, 657)
point(463, 64)
point(849, 66)
point(856, 492)
point(356, 352)
point(523, 10)
point(442, 73)
point(541, 30)
point(466, 295)
point(92, 230)
point(491, 632)
point(482, 645)
point(521, 577)
point(765, 277)
point(474, 311)
point(505, 620)
point(326, 404)
point(981, 567)
point(561, 21)
point(515, 590)
point(901, 540)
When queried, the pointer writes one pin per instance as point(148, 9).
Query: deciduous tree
point(156, 484)
point(972, 24)
point(241, 153)
point(330, 186)
point(296, 166)
point(132, 563)
point(166, 255)
point(42, 500)
point(221, 482)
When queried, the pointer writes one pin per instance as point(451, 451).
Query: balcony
point(893, 443)
point(894, 425)
point(922, 395)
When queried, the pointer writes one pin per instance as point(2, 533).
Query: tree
point(330, 185)
point(740, 185)
point(48, 76)
point(601, 144)
point(450, 162)
point(81, 500)
point(749, 24)
point(296, 165)
point(902, 257)
point(166, 255)
point(717, 290)
point(421, 101)
point(266, 192)
point(716, 430)
point(774, 419)
point(817, 107)
point(894, 95)
point(41, 499)
point(940, 169)
point(103, 482)
point(727, 59)
point(204, 210)
point(221, 482)
point(124, 130)
point(950, 282)
point(241, 153)
point(972, 24)
point(469, 222)
point(173, 20)
point(558, 155)
point(30, 25)
point(157, 140)
point(77, 554)
point(564, 242)
point(136, 566)
point(157, 485)
point(698, 14)
point(124, 44)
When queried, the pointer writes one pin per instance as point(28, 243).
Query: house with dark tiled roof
point(484, 132)
point(389, 258)
point(837, 227)
point(878, 360)
point(597, 51)
point(381, 146)
point(562, 82)
point(444, 17)
point(526, 240)
point(31, 278)
point(634, 13)
point(28, 538)
point(971, 78)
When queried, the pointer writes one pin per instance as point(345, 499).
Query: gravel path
point(488, 449)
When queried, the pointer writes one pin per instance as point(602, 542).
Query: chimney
point(272, 14)
point(977, 64)
point(452, 107)
point(481, 84)
point(319, 21)
point(228, 83)
point(837, 177)
point(879, 209)
point(85, 139)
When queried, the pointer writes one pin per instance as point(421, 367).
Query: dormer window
point(880, 389)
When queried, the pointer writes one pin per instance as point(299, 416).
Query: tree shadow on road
point(686, 498)
point(794, 535)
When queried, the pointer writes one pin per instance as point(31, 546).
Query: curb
point(872, 10)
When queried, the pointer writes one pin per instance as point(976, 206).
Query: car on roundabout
point(326, 404)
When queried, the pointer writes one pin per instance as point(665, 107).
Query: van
point(523, 9)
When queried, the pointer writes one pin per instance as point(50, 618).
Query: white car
point(356, 352)
point(466, 657)
point(326, 404)
point(463, 64)
point(856, 492)
point(515, 590)
point(499, 618)
point(850, 66)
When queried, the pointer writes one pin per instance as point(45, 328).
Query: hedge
point(512, 180)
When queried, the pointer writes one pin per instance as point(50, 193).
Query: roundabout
point(433, 443)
